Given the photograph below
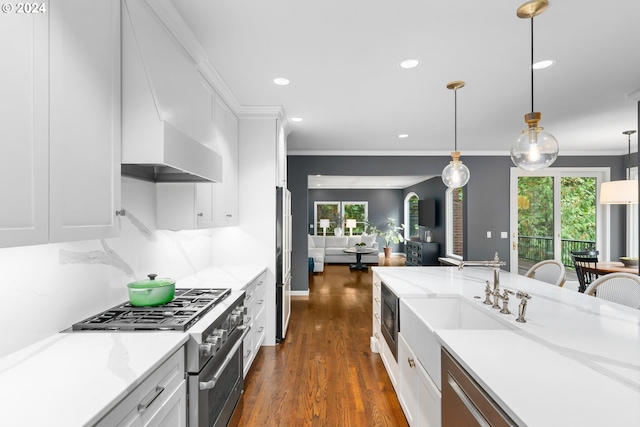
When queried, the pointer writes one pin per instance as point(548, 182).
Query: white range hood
point(164, 106)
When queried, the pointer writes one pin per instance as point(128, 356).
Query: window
point(337, 214)
point(455, 223)
point(411, 216)
point(358, 211)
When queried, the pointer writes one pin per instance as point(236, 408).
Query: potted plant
point(338, 220)
point(360, 246)
point(393, 234)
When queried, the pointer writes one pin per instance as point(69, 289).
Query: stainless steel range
point(214, 320)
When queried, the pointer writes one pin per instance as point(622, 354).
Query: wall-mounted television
point(427, 212)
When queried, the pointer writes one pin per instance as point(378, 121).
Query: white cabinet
point(378, 343)
point(24, 124)
point(184, 206)
point(255, 303)
point(160, 400)
point(84, 120)
point(418, 395)
point(60, 107)
point(225, 199)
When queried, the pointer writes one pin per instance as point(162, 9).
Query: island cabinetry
point(160, 400)
point(378, 343)
point(419, 397)
point(421, 253)
point(254, 303)
point(60, 167)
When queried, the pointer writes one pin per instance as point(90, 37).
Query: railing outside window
point(531, 248)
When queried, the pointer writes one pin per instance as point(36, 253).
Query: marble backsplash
point(47, 288)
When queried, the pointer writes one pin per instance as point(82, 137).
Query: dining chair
point(622, 288)
point(585, 263)
point(549, 271)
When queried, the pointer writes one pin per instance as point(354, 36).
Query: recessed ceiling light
point(409, 63)
point(296, 119)
point(403, 135)
point(545, 63)
point(281, 81)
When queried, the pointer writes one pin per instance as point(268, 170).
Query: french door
point(553, 212)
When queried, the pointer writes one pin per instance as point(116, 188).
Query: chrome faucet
point(495, 264)
point(522, 309)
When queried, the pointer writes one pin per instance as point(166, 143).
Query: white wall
point(47, 288)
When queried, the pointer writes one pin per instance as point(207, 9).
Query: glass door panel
point(536, 223)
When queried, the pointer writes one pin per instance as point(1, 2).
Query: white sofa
point(330, 250)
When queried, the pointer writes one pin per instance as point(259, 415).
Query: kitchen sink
point(421, 317)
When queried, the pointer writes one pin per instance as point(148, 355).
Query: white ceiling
point(342, 60)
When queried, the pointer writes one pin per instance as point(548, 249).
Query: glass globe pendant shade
point(455, 174)
point(535, 149)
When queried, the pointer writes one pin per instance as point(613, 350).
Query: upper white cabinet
point(225, 199)
point(60, 105)
point(184, 206)
point(24, 129)
point(84, 119)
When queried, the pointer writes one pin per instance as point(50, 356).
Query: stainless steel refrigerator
point(283, 262)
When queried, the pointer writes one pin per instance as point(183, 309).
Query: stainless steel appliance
point(283, 261)
point(214, 320)
point(464, 402)
point(390, 323)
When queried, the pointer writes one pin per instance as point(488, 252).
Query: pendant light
point(535, 149)
point(455, 174)
point(620, 192)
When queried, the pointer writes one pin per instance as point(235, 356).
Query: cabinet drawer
point(259, 330)
point(150, 397)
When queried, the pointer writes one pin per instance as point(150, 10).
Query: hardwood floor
point(324, 373)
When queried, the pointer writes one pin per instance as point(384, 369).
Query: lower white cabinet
point(254, 302)
point(418, 395)
point(160, 400)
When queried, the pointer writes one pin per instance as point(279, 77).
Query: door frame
point(601, 174)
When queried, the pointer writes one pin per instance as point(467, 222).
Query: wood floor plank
point(324, 373)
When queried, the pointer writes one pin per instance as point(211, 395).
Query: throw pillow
point(368, 239)
point(311, 243)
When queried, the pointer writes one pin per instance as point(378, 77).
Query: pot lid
point(152, 282)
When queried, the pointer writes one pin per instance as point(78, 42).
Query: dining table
point(614, 267)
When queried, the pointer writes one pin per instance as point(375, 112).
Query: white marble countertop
point(575, 362)
point(74, 379)
point(234, 277)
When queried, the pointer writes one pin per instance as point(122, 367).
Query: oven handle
point(211, 384)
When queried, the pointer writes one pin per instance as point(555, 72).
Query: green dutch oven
point(151, 292)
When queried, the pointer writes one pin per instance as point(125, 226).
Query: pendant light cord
point(455, 120)
point(532, 110)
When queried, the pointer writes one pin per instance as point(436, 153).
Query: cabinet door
point(226, 193)
point(24, 126)
point(408, 395)
point(173, 412)
point(84, 119)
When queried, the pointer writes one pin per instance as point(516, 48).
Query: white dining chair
point(549, 271)
point(623, 288)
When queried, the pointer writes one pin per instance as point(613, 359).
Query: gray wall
point(486, 195)
point(383, 204)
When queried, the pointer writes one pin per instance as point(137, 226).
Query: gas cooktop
point(178, 315)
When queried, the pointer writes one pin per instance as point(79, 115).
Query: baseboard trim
point(300, 293)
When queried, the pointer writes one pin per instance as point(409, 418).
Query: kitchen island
point(576, 360)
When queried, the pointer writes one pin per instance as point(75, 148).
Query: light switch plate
point(488, 234)
point(504, 235)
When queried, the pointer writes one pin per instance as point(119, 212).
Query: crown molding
point(635, 96)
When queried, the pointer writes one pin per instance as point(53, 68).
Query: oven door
point(216, 390)
point(390, 324)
